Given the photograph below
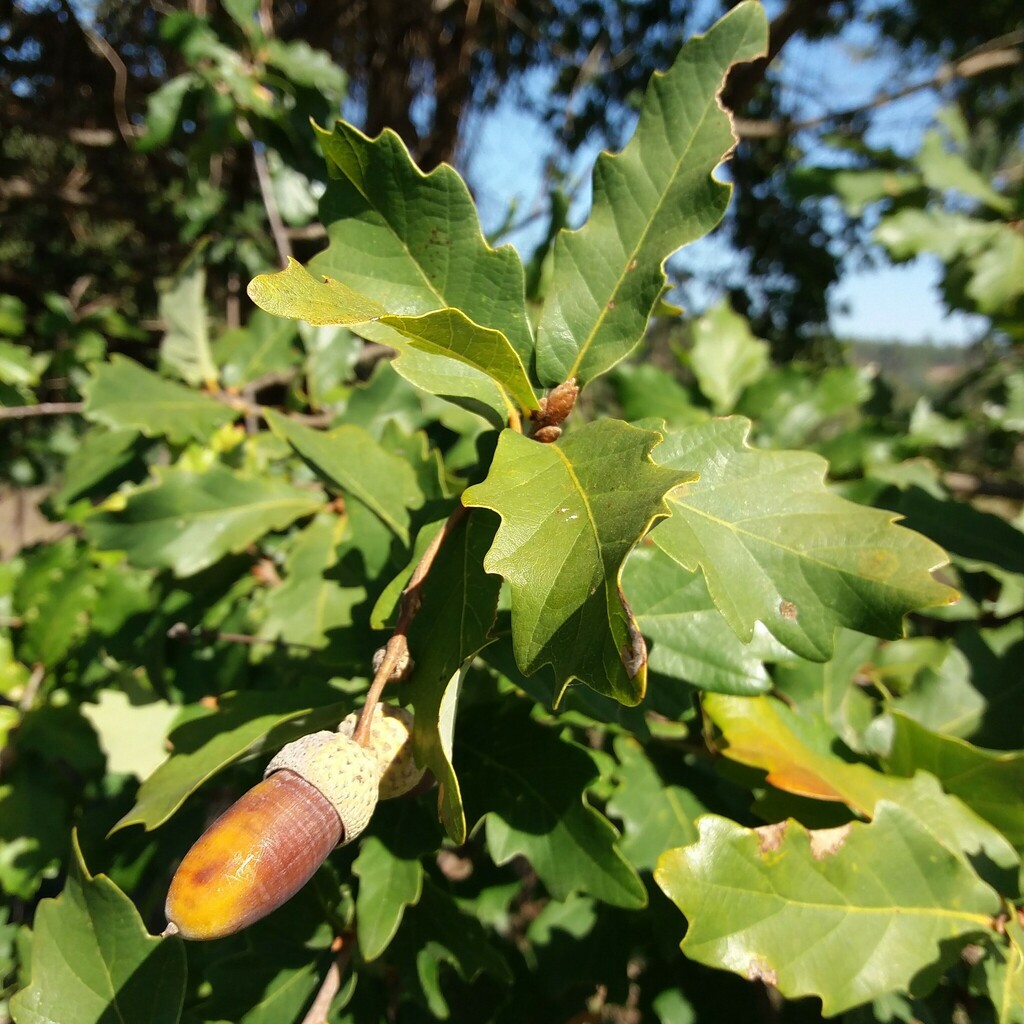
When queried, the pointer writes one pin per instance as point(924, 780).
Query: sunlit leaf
point(571, 512)
point(846, 914)
point(91, 953)
point(652, 198)
point(777, 547)
point(244, 724)
point(121, 393)
point(448, 331)
point(186, 521)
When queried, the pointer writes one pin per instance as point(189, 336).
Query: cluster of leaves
point(829, 802)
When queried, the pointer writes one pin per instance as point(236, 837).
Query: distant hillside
point(913, 370)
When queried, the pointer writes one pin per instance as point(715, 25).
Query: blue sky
point(506, 149)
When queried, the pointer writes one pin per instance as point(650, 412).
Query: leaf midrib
point(984, 921)
point(732, 527)
point(651, 220)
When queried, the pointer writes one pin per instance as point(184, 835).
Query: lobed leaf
point(692, 641)
point(990, 782)
point(186, 521)
point(244, 724)
point(777, 547)
point(412, 241)
point(185, 346)
point(571, 512)
point(447, 331)
point(845, 914)
point(726, 357)
point(529, 786)
point(654, 197)
point(308, 605)
point(387, 885)
point(656, 816)
point(762, 732)
point(349, 458)
point(121, 394)
point(92, 959)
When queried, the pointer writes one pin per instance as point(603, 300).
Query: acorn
point(317, 793)
point(391, 743)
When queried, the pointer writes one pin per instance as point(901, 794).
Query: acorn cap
point(345, 773)
point(391, 744)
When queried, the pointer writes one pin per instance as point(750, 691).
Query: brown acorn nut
point(319, 792)
point(391, 743)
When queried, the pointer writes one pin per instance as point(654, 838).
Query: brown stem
point(977, 63)
point(331, 985)
point(182, 632)
point(21, 412)
point(35, 680)
point(396, 651)
point(277, 227)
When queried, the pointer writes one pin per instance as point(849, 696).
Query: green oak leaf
point(829, 690)
point(19, 365)
point(571, 512)
point(244, 724)
point(56, 595)
point(387, 885)
point(122, 394)
point(185, 346)
point(797, 754)
point(777, 547)
point(528, 784)
point(447, 332)
point(991, 253)
point(101, 453)
point(307, 605)
point(349, 458)
point(436, 932)
point(33, 831)
point(692, 641)
point(412, 241)
point(264, 345)
point(1000, 974)
point(657, 195)
point(459, 602)
point(656, 816)
point(726, 357)
point(990, 782)
point(132, 735)
point(186, 521)
point(846, 914)
point(92, 959)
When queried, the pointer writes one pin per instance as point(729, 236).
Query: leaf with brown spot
point(868, 917)
point(778, 547)
point(797, 753)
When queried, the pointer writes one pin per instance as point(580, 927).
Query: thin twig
point(331, 985)
point(124, 124)
point(396, 651)
point(35, 680)
point(277, 227)
point(21, 412)
point(971, 65)
point(181, 631)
